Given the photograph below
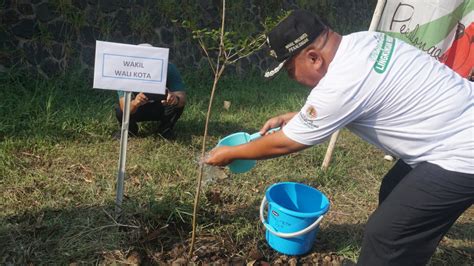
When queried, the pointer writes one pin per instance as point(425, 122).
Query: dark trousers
point(155, 111)
point(416, 208)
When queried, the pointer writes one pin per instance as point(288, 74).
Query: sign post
point(122, 155)
point(129, 68)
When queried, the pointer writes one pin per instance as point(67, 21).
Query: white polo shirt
point(395, 97)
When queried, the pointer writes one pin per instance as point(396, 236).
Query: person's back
point(398, 98)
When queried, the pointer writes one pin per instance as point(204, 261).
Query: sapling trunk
point(217, 75)
point(228, 53)
point(203, 152)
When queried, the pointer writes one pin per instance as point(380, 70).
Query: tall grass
point(60, 107)
point(58, 167)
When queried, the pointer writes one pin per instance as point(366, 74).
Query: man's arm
point(269, 146)
point(139, 100)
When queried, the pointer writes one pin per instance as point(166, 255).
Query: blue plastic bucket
point(294, 213)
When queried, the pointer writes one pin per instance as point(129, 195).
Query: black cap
point(291, 35)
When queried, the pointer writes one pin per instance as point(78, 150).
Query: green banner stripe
point(437, 30)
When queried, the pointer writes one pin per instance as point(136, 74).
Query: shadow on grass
point(186, 130)
point(462, 231)
point(343, 239)
point(340, 237)
point(90, 234)
point(347, 239)
point(186, 133)
point(159, 231)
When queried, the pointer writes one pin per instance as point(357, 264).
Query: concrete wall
point(49, 37)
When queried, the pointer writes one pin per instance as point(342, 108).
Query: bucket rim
point(294, 213)
point(233, 135)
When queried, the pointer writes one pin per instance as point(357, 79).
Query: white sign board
point(128, 67)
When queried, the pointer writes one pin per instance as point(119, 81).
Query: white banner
point(442, 28)
point(128, 67)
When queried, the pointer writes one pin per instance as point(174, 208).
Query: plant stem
point(217, 74)
point(203, 152)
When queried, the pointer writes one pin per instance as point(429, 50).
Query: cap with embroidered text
point(291, 35)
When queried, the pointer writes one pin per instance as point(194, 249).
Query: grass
point(58, 168)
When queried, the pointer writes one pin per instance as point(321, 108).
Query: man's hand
point(278, 121)
point(140, 99)
point(172, 99)
point(219, 156)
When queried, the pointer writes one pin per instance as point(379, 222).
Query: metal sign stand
point(123, 154)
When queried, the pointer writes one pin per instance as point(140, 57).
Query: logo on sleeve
point(308, 116)
point(311, 112)
point(385, 54)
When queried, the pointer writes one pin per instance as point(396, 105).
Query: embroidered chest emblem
point(311, 113)
point(309, 116)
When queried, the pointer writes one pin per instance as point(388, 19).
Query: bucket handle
point(286, 235)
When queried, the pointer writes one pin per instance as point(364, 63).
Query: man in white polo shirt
point(395, 97)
